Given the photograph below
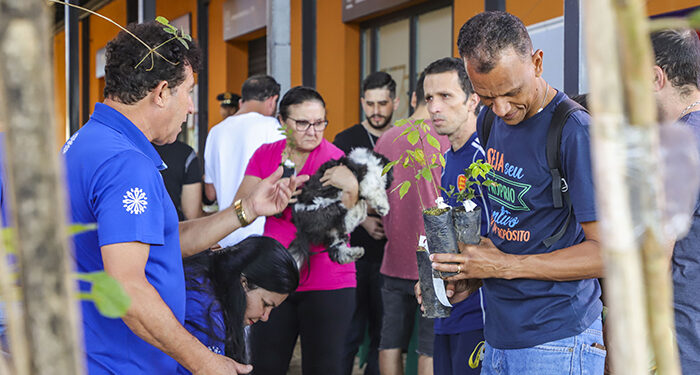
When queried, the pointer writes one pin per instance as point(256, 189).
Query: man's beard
point(381, 125)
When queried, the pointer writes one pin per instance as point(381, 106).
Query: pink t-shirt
point(404, 222)
point(324, 274)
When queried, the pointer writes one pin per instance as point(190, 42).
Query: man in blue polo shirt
point(543, 305)
point(114, 180)
point(453, 107)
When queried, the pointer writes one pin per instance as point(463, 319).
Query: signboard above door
point(243, 16)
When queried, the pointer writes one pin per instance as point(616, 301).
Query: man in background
point(232, 142)
point(228, 104)
point(399, 268)
point(378, 103)
point(182, 178)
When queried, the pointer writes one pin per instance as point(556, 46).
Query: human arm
point(264, 198)
point(191, 200)
point(578, 262)
point(152, 320)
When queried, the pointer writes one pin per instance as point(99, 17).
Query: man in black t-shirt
point(378, 103)
point(183, 179)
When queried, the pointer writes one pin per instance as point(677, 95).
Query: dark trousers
point(368, 314)
point(322, 318)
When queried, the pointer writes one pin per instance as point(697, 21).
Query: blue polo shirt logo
point(135, 201)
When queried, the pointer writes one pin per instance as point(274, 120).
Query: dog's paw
point(382, 209)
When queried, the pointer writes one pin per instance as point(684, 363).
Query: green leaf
point(425, 127)
point(489, 183)
point(405, 131)
point(404, 188)
point(433, 142)
point(475, 172)
point(162, 20)
point(390, 165)
point(413, 137)
point(420, 157)
point(8, 239)
point(184, 43)
point(108, 295)
point(427, 175)
point(406, 162)
point(81, 228)
point(694, 18)
point(188, 37)
point(169, 31)
point(442, 160)
point(401, 122)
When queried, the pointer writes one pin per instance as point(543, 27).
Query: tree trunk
point(36, 192)
point(623, 269)
point(637, 61)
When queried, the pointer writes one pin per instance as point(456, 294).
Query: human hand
point(419, 295)
point(480, 261)
point(340, 177)
point(375, 227)
point(221, 365)
point(458, 291)
point(271, 195)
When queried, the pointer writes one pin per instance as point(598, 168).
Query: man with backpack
point(542, 255)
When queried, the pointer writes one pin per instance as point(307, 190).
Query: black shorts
point(399, 313)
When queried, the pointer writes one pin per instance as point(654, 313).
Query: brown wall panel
point(655, 7)
point(101, 32)
point(338, 68)
point(59, 87)
point(295, 41)
point(531, 12)
point(462, 11)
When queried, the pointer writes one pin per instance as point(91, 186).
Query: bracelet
point(238, 207)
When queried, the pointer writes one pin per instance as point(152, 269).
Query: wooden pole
point(623, 270)
point(637, 61)
point(37, 195)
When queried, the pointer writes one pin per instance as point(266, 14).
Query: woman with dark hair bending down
point(235, 287)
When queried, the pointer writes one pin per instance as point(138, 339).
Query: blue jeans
point(580, 354)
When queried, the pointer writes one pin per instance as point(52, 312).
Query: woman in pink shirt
point(321, 308)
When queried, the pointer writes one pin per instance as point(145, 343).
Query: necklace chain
point(688, 108)
point(544, 99)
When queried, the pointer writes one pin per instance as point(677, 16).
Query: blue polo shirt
point(467, 315)
point(114, 180)
point(523, 313)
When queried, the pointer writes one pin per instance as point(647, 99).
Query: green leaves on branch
point(476, 175)
point(170, 29)
point(403, 188)
point(108, 295)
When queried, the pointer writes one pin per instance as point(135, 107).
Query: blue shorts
point(451, 353)
point(580, 354)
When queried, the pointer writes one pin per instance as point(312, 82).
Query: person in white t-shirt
point(232, 142)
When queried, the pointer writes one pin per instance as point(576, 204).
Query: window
point(404, 46)
point(257, 56)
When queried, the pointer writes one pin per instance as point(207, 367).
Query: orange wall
point(664, 6)
point(172, 9)
point(295, 41)
point(59, 87)
point(462, 11)
point(337, 66)
point(531, 12)
point(102, 32)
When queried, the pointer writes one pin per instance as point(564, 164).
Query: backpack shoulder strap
point(486, 127)
point(560, 188)
point(561, 115)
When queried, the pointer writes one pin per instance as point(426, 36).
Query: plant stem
point(150, 50)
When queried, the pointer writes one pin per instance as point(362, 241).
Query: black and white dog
point(320, 216)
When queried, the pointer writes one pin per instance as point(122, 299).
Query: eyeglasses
point(303, 125)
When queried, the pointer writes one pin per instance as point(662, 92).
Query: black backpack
point(560, 188)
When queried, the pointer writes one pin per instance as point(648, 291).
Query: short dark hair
point(420, 91)
point(677, 53)
point(379, 80)
point(485, 36)
point(128, 83)
point(297, 95)
point(451, 64)
point(259, 87)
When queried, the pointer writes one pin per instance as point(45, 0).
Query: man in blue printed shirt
point(114, 180)
point(453, 107)
point(543, 303)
